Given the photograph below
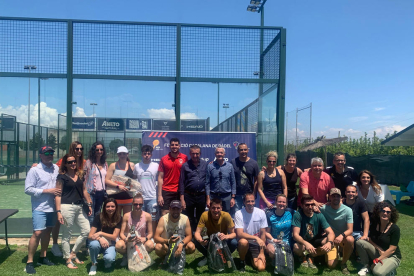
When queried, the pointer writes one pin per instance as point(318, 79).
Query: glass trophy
point(204, 233)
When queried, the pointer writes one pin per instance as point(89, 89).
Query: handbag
point(105, 195)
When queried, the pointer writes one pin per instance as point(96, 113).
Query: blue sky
point(352, 59)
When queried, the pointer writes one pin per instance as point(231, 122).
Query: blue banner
point(208, 141)
point(83, 123)
point(111, 124)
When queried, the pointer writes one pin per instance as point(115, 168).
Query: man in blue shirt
point(40, 184)
point(220, 181)
point(192, 186)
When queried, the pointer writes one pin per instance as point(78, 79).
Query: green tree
point(62, 144)
point(114, 144)
point(36, 142)
point(23, 145)
point(51, 141)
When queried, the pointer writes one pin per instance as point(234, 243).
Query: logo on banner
point(165, 123)
point(236, 144)
point(155, 144)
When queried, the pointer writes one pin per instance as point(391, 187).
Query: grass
point(15, 263)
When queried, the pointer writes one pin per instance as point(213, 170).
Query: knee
point(160, 250)
point(243, 243)
point(377, 271)
point(120, 246)
point(190, 248)
point(331, 264)
point(149, 246)
point(94, 245)
point(350, 240)
point(109, 258)
point(37, 234)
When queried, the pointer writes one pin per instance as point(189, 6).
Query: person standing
point(220, 181)
point(169, 175)
point(40, 184)
point(292, 174)
point(369, 191)
point(146, 173)
point(245, 173)
point(342, 175)
point(192, 186)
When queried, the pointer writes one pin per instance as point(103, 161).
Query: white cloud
point(379, 108)
point(383, 130)
point(164, 113)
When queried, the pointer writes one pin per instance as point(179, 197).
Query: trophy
point(132, 232)
point(204, 233)
point(175, 235)
point(281, 235)
point(128, 184)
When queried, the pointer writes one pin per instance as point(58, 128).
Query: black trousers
point(197, 203)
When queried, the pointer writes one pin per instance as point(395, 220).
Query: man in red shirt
point(169, 176)
point(316, 183)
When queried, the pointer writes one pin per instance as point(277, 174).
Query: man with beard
point(312, 234)
point(340, 219)
point(359, 213)
point(214, 221)
point(170, 228)
point(251, 224)
point(342, 175)
point(169, 175)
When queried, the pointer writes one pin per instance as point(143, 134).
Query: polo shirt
point(317, 187)
point(171, 167)
point(222, 225)
point(342, 180)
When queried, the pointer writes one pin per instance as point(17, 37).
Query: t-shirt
point(372, 198)
point(147, 177)
point(71, 191)
point(251, 223)
point(280, 224)
point(171, 168)
point(109, 230)
point(358, 208)
point(171, 228)
point(222, 225)
point(384, 240)
point(317, 187)
point(310, 227)
point(342, 180)
point(339, 218)
point(245, 173)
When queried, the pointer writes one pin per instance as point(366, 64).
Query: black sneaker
point(30, 268)
point(45, 261)
point(242, 267)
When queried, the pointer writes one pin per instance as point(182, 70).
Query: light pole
point(93, 104)
point(218, 102)
point(29, 67)
point(225, 106)
point(38, 102)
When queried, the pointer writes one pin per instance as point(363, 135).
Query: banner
point(194, 125)
point(208, 141)
point(138, 124)
point(111, 124)
point(83, 123)
point(163, 124)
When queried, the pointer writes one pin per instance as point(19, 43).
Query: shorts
point(317, 241)
point(332, 255)
point(124, 202)
point(168, 197)
point(357, 235)
point(254, 251)
point(151, 207)
point(41, 220)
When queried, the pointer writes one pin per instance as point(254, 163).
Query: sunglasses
point(71, 162)
point(97, 150)
point(138, 204)
point(271, 161)
point(49, 153)
point(386, 212)
point(310, 205)
point(78, 149)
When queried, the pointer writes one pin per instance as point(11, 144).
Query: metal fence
point(298, 127)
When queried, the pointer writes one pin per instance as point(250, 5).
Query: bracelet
point(90, 204)
point(343, 235)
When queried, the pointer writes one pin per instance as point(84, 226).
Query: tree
point(114, 144)
point(23, 145)
point(51, 141)
point(36, 142)
point(62, 144)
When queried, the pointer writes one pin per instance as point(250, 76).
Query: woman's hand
point(96, 235)
point(104, 243)
point(60, 218)
point(90, 211)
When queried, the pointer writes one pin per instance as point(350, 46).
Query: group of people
point(192, 199)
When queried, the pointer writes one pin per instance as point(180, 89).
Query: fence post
point(69, 81)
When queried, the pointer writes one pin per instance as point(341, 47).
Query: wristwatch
point(343, 235)
point(331, 242)
point(233, 196)
point(58, 211)
point(90, 204)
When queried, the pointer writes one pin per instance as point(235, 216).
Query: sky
point(353, 60)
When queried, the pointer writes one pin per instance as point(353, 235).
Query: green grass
point(12, 196)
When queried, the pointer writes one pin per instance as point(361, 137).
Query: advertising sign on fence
point(194, 125)
point(163, 124)
point(208, 141)
point(83, 123)
point(111, 124)
point(138, 124)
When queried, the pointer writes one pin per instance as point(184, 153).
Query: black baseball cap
point(45, 149)
point(175, 204)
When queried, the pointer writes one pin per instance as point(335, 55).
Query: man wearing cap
point(40, 184)
point(342, 175)
point(169, 175)
point(341, 220)
point(170, 228)
point(192, 186)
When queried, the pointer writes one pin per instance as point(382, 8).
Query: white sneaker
point(124, 261)
point(203, 262)
point(364, 271)
point(93, 270)
point(56, 251)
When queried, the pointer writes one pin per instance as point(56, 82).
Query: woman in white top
point(368, 190)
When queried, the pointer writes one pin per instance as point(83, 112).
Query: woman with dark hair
point(125, 168)
point(104, 232)
point(382, 247)
point(95, 169)
point(69, 207)
point(292, 174)
point(368, 190)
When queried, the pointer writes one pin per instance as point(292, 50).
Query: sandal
point(71, 263)
point(76, 260)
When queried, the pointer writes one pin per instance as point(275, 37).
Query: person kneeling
point(308, 228)
point(104, 231)
point(142, 223)
point(215, 220)
point(170, 229)
point(251, 227)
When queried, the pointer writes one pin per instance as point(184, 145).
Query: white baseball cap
point(122, 149)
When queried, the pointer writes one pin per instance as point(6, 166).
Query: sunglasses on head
point(99, 150)
point(71, 162)
point(386, 212)
point(78, 149)
point(49, 153)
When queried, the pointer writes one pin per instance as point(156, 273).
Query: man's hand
point(208, 203)
point(365, 238)
point(90, 211)
point(203, 242)
point(160, 201)
point(316, 209)
point(141, 239)
point(123, 188)
point(183, 204)
point(327, 247)
point(179, 250)
point(260, 242)
point(53, 191)
point(173, 240)
point(104, 243)
point(310, 248)
point(60, 218)
point(222, 237)
point(232, 202)
point(338, 239)
point(34, 165)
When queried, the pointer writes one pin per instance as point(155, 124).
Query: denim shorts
point(41, 220)
point(357, 235)
point(150, 208)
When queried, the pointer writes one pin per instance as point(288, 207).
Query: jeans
point(367, 252)
point(149, 208)
point(293, 202)
point(232, 244)
point(238, 205)
point(109, 253)
point(97, 201)
point(197, 204)
point(73, 214)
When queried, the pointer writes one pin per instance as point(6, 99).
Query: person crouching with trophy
point(136, 227)
point(213, 221)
